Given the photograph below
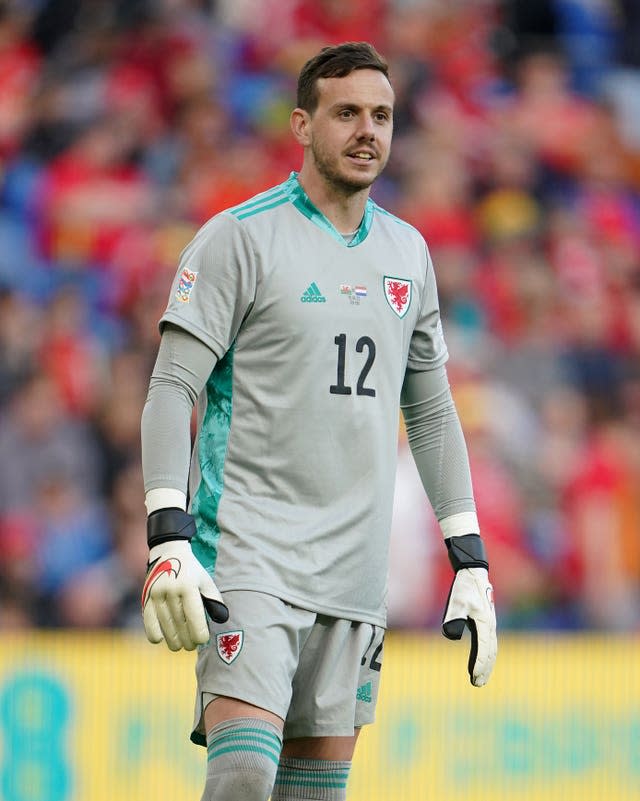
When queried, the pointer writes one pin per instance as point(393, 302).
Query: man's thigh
point(278, 662)
point(330, 748)
point(250, 660)
point(335, 688)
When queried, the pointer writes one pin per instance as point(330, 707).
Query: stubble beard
point(337, 180)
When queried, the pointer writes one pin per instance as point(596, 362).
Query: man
point(299, 321)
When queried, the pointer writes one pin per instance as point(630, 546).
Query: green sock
point(311, 780)
point(242, 760)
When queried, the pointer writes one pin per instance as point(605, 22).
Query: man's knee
point(243, 784)
point(242, 759)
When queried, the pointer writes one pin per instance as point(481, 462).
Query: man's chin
point(351, 184)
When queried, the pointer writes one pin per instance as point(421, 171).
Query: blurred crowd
point(125, 124)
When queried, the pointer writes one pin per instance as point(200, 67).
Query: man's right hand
point(177, 589)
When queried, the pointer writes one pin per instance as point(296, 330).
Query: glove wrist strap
point(466, 551)
point(169, 524)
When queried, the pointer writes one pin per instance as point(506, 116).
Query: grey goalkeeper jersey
point(293, 467)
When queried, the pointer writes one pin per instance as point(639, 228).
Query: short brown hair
point(336, 61)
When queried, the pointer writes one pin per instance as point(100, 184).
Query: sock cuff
point(249, 738)
point(243, 723)
point(321, 779)
point(322, 765)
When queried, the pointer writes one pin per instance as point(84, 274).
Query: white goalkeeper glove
point(177, 589)
point(470, 603)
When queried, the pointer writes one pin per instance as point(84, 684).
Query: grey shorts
point(319, 674)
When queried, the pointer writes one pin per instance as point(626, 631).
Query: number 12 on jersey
point(340, 387)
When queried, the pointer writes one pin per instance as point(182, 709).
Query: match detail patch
point(185, 285)
point(354, 293)
point(229, 644)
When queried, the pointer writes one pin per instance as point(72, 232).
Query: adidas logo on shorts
point(313, 295)
point(364, 693)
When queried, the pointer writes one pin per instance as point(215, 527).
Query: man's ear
point(299, 121)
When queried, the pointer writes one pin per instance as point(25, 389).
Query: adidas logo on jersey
point(313, 295)
point(364, 693)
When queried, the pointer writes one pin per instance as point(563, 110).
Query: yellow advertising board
point(559, 720)
point(97, 717)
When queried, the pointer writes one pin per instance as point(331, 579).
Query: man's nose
point(366, 129)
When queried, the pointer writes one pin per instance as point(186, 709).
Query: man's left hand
point(470, 604)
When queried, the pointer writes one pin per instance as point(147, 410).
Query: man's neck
point(343, 210)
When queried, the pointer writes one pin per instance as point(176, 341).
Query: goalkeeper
point(298, 323)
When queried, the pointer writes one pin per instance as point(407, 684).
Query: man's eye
point(346, 113)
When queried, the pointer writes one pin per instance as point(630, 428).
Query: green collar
point(301, 201)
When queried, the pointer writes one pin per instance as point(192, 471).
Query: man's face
point(351, 128)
